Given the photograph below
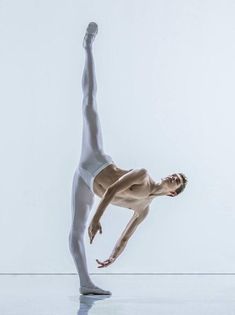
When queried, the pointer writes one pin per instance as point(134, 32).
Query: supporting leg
point(82, 201)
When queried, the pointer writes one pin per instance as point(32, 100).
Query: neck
point(156, 188)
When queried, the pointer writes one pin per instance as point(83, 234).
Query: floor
point(131, 294)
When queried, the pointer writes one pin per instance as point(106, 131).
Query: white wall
point(165, 75)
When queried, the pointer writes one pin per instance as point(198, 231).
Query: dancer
point(98, 174)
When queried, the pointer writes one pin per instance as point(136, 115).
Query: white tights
point(82, 196)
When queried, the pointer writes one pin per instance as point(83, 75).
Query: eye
point(175, 178)
point(178, 180)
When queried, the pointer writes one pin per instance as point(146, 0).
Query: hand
point(106, 262)
point(93, 228)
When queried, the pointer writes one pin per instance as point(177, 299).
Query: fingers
point(104, 263)
point(91, 236)
point(93, 230)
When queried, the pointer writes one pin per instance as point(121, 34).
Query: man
point(98, 174)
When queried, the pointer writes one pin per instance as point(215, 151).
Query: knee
point(89, 98)
point(75, 242)
point(90, 113)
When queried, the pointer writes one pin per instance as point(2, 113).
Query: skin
point(131, 189)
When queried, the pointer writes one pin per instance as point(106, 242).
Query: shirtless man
point(98, 174)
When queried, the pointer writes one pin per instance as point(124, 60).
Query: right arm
point(122, 242)
point(128, 232)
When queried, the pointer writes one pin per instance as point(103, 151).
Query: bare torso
point(136, 197)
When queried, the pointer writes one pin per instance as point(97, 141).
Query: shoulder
point(140, 171)
point(144, 171)
point(136, 176)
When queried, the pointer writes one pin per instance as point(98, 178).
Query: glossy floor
point(131, 294)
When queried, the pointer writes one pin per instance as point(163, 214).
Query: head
point(173, 185)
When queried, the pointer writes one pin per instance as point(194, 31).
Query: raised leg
point(92, 140)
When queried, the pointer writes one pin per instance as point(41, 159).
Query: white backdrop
point(165, 75)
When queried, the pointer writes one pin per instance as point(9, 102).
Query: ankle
point(88, 284)
point(88, 42)
point(88, 48)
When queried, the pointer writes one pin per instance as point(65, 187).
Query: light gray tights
point(82, 196)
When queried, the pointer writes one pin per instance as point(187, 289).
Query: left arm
point(125, 181)
point(125, 236)
point(95, 224)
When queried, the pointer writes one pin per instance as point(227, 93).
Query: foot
point(91, 31)
point(93, 290)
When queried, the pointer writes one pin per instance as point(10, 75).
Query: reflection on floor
point(131, 294)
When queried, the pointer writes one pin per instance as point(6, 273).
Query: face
point(171, 183)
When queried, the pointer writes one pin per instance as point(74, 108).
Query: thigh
point(92, 139)
point(82, 202)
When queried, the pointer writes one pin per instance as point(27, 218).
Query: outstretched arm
point(122, 242)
